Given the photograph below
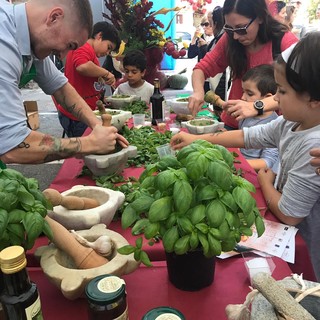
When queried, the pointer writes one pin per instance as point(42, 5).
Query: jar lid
point(163, 313)
point(105, 289)
point(12, 259)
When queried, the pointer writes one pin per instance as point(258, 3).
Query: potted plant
point(197, 204)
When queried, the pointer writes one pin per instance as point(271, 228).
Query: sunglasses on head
point(240, 31)
point(205, 24)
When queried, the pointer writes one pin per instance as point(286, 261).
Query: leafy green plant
point(194, 200)
point(22, 210)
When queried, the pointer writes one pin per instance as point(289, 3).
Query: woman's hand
point(182, 139)
point(239, 109)
point(196, 101)
point(315, 161)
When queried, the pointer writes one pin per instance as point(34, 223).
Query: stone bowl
point(119, 117)
point(121, 101)
point(108, 199)
point(107, 164)
point(179, 105)
point(61, 271)
point(200, 126)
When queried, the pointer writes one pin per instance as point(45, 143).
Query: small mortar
point(59, 268)
point(200, 126)
point(107, 164)
point(109, 200)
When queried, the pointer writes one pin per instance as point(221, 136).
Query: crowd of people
point(272, 110)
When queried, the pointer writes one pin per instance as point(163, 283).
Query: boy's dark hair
point(303, 66)
point(135, 58)
point(269, 29)
point(108, 32)
point(263, 76)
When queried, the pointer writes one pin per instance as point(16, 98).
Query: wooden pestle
point(70, 202)
point(101, 107)
point(106, 119)
point(83, 257)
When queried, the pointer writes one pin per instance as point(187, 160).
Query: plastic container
point(138, 120)
point(163, 313)
point(106, 296)
point(165, 150)
point(255, 264)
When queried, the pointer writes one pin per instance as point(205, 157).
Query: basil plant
point(194, 200)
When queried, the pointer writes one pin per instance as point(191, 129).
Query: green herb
point(23, 208)
point(136, 107)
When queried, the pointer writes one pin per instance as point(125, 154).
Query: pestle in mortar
point(83, 257)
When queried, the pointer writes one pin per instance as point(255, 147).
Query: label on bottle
point(124, 316)
point(34, 312)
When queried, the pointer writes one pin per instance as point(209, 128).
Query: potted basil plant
point(198, 205)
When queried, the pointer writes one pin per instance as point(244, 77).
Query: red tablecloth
point(148, 288)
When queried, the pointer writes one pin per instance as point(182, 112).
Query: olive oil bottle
point(19, 296)
point(157, 101)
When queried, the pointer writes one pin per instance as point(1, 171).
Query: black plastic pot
point(191, 271)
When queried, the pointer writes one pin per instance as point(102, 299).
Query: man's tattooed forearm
point(60, 149)
point(24, 145)
point(71, 109)
point(216, 133)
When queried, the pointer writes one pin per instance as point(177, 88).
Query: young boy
point(292, 195)
point(259, 83)
point(134, 64)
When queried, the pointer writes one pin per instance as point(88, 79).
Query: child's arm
point(268, 158)
point(229, 139)
point(257, 164)
point(266, 179)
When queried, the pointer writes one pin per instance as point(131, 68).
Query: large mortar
point(108, 199)
point(108, 164)
point(61, 271)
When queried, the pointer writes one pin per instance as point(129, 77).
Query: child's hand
point(181, 140)
point(266, 177)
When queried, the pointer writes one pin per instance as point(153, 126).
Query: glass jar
point(106, 296)
point(163, 313)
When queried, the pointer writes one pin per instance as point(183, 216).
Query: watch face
point(259, 104)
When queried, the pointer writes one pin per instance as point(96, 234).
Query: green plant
point(22, 210)
point(195, 200)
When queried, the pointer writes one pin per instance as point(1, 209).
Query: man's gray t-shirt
point(15, 51)
point(296, 179)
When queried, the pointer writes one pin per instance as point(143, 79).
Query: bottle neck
point(16, 283)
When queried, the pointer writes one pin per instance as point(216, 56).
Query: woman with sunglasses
point(250, 32)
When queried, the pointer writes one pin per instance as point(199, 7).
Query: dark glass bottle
point(19, 297)
point(157, 100)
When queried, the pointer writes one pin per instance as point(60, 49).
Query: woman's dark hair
point(263, 77)
point(108, 32)
point(269, 29)
point(303, 66)
point(135, 58)
point(218, 18)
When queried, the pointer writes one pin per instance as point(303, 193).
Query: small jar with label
point(106, 295)
point(163, 313)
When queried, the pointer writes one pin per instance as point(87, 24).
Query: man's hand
point(240, 109)
point(182, 139)
point(315, 161)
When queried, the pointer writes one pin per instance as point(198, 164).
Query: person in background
point(293, 195)
point(134, 64)
point(111, 65)
point(217, 83)
point(200, 41)
point(258, 83)
point(291, 14)
point(82, 68)
point(30, 32)
point(252, 37)
point(278, 10)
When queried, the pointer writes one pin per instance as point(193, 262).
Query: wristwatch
point(259, 106)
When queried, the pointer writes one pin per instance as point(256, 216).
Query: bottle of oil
point(19, 296)
point(157, 101)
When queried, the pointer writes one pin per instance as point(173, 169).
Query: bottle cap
point(12, 259)
point(105, 289)
point(163, 313)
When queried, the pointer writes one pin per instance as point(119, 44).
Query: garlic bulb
point(102, 245)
